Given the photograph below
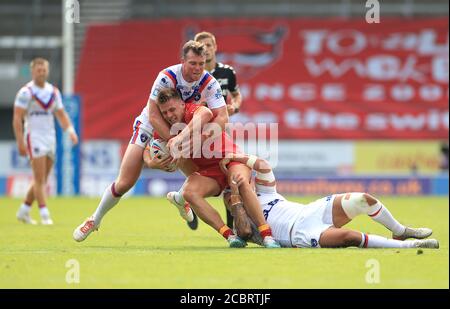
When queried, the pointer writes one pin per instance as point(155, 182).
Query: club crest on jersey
point(144, 137)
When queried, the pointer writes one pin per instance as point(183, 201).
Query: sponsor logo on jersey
point(218, 94)
point(212, 84)
point(39, 113)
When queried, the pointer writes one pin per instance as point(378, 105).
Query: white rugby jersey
point(40, 104)
point(205, 90)
point(280, 214)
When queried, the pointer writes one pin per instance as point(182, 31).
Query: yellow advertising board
point(397, 157)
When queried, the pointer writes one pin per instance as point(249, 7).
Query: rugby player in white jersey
point(194, 85)
point(35, 106)
point(319, 224)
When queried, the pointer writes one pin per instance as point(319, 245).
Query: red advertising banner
point(317, 78)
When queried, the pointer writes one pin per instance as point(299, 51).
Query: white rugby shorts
point(39, 145)
point(315, 219)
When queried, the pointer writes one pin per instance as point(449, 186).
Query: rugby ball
point(159, 150)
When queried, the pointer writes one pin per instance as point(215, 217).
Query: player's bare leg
point(349, 205)
point(251, 203)
point(196, 189)
point(39, 167)
point(130, 169)
point(342, 238)
point(23, 214)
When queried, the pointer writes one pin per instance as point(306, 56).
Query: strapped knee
point(354, 204)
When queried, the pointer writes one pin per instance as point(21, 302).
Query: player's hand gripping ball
point(159, 150)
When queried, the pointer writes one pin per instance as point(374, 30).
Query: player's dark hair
point(205, 35)
point(167, 94)
point(196, 47)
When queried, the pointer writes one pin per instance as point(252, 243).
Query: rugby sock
point(225, 231)
point(382, 215)
point(109, 199)
point(25, 207)
point(375, 241)
point(43, 211)
point(178, 196)
point(264, 230)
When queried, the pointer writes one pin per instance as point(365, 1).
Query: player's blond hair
point(196, 47)
point(205, 35)
point(38, 60)
point(167, 94)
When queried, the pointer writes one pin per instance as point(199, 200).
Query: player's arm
point(154, 115)
point(157, 121)
point(264, 173)
point(18, 117)
point(21, 103)
point(201, 116)
point(66, 124)
point(220, 116)
point(216, 103)
point(156, 163)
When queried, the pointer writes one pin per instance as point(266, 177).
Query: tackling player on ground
point(319, 224)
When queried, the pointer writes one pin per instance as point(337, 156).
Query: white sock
point(382, 215)
point(178, 196)
point(25, 208)
point(375, 241)
point(108, 201)
point(43, 211)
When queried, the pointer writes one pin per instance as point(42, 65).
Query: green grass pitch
point(143, 243)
